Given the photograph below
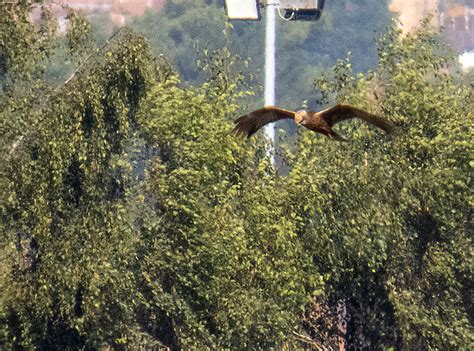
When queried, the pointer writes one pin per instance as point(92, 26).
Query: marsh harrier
point(319, 122)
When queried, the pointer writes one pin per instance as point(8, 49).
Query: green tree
point(132, 218)
point(67, 243)
point(389, 221)
point(104, 245)
point(222, 266)
point(181, 30)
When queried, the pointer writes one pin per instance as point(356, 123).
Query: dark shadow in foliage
point(34, 255)
point(164, 329)
point(426, 228)
point(360, 333)
point(467, 295)
point(3, 66)
point(78, 310)
point(116, 185)
point(13, 321)
point(343, 319)
point(467, 291)
point(136, 90)
point(73, 183)
point(112, 126)
point(35, 151)
point(88, 122)
point(61, 337)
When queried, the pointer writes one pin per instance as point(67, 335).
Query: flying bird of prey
point(319, 122)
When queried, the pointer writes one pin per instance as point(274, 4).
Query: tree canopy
point(183, 29)
point(131, 217)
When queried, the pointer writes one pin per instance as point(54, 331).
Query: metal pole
point(270, 64)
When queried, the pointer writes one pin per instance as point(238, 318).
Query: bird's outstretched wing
point(342, 112)
point(248, 124)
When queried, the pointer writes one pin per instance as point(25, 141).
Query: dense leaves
point(67, 243)
point(392, 232)
point(223, 265)
point(132, 218)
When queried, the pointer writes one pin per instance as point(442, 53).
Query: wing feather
point(249, 124)
point(342, 112)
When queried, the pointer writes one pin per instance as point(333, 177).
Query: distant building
point(458, 21)
point(456, 16)
point(119, 10)
point(411, 12)
point(91, 6)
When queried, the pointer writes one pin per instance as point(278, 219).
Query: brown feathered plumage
point(320, 122)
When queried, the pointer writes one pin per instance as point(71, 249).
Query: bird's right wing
point(342, 112)
point(248, 124)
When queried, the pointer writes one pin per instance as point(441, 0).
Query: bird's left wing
point(342, 112)
point(248, 124)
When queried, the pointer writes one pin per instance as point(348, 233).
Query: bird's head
point(301, 117)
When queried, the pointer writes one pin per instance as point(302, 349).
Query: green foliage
point(29, 37)
point(132, 218)
point(31, 52)
point(181, 30)
point(68, 246)
point(223, 265)
point(23, 46)
point(389, 221)
point(123, 229)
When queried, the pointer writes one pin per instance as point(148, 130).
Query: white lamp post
point(270, 52)
point(308, 10)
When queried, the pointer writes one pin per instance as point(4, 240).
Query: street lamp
point(243, 10)
point(293, 10)
point(302, 10)
point(307, 10)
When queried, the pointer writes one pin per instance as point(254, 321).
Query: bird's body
point(319, 122)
